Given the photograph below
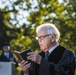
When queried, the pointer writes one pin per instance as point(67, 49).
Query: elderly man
point(53, 59)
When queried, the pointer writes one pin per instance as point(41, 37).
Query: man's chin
point(43, 50)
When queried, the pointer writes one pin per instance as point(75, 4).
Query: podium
point(7, 68)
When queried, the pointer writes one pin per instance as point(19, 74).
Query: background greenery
point(19, 19)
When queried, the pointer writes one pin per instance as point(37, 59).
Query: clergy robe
point(60, 62)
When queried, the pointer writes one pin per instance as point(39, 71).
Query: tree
point(41, 11)
point(63, 15)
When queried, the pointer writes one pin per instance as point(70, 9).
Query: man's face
point(44, 40)
point(6, 48)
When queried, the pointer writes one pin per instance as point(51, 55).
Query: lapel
point(56, 54)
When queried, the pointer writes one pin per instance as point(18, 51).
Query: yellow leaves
point(24, 41)
point(7, 15)
point(32, 14)
point(59, 8)
point(55, 4)
point(68, 22)
point(60, 11)
point(37, 18)
point(19, 68)
point(21, 42)
point(43, 11)
point(29, 18)
point(0, 52)
point(60, 15)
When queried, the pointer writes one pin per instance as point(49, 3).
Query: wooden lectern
point(7, 68)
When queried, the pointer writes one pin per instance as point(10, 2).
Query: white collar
point(53, 48)
point(6, 53)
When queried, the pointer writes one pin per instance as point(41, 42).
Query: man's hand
point(25, 65)
point(34, 57)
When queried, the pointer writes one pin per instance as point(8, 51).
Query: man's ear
point(53, 38)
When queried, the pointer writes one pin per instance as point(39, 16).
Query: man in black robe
point(53, 59)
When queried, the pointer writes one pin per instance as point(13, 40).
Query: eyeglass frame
point(42, 37)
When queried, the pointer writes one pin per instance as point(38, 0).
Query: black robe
point(60, 62)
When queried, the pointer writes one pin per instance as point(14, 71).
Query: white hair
point(51, 29)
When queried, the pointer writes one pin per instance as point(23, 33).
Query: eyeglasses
point(42, 37)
